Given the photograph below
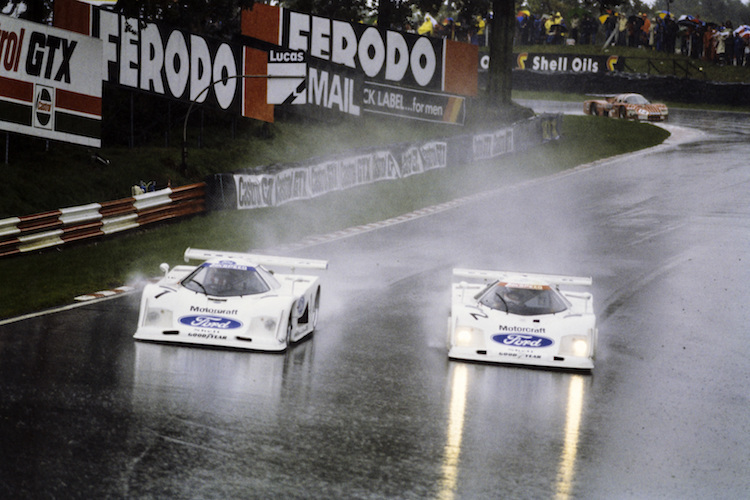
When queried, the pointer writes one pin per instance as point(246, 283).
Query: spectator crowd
point(688, 35)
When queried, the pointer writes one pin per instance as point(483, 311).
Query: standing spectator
point(622, 30)
point(527, 38)
point(575, 24)
point(671, 29)
point(610, 25)
point(659, 34)
point(645, 33)
point(739, 50)
point(588, 30)
point(523, 29)
point(480, 31)
point(538, 30)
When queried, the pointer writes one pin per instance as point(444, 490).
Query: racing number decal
point(479, 314)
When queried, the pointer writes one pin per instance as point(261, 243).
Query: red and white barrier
point(55, 228)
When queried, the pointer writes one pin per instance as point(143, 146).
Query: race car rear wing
point(552, 279)
point(263, 260)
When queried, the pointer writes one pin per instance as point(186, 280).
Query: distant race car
point(509, 317)
point(231, 300)
point(627, 106)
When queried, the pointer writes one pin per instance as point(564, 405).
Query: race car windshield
point(524, 301)
point(636, 99)
point(226, 280)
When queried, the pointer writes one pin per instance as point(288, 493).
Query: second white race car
point(232, 300)
point(509, 317)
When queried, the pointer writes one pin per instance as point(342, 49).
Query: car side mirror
point(164, 267)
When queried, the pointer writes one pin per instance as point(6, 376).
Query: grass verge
point(52, 278)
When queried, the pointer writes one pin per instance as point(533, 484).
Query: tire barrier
point(59, 227)
point(274, 185)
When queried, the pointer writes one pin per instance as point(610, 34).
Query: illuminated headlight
point(466, 336)
point(157, 317)
point(574, 345)
point(263, 324)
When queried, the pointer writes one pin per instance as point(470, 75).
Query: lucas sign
point(48, 87)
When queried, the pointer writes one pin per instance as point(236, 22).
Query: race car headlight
point(574, 345)
point(157, 317)
point(263, 324)
point(466, 336)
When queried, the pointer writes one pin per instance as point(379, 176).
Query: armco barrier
point(58, 227)
point(278, 184)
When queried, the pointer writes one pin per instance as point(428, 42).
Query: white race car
point(231, 300)
point(508, 317)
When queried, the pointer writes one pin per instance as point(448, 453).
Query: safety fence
point(86, 222)
point(274, 185)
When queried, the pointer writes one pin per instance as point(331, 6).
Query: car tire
point(623, 113)
point(316, 309)
point(289, 340)
point(593, 110)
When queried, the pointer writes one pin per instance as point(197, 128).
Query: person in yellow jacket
point(428, 26)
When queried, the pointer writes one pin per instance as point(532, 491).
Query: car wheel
point(593, 110)
point(316, 309)
point(623, 113)
point(289, 340)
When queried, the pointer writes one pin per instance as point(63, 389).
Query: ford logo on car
point(215, 322)
point(522, 340)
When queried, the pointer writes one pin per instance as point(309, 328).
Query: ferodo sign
point(382, 55)
point(168, 62)
point(48, 88)
point(155, 59)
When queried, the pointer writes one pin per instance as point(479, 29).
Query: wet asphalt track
point(371, 407)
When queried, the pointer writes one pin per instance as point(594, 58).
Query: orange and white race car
point(627, 106)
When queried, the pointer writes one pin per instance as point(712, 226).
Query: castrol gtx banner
point(383, 56)
point(48, 88)
point(157, 59)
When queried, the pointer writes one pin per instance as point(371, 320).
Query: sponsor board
point(383, 56)
point(211, 322)
point(324, 90)
point(172, 63)
point(420, 159)
point(414, 104)
point(333, 88)
point(490, 145)
point(291, 67)
point(555, 63)
point(267, 190)
point(48, 88)
point(157, 59)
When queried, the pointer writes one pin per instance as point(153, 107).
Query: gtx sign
point(48, 88)
point(168, 62)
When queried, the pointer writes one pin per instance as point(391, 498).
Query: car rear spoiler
point(552, 279)
point(263, 260)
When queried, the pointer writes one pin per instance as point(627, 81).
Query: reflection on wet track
point(455, 430)
point(566, 472)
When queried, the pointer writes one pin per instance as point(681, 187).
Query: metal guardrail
point(57, 227)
